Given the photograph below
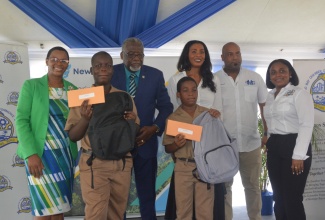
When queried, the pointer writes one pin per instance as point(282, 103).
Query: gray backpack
point(216, 155)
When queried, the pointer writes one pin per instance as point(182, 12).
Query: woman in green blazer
point(44, 145)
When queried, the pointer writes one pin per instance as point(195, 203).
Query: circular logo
point(12, 57)
point(13, 98)
point(4, 183)
point(24, 205)
point(6, 129)
point(317, 90)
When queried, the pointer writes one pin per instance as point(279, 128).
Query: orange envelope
point(190, 131)
point(93, 94)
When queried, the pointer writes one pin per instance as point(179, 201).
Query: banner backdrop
point(14, 195)
point(312, 78)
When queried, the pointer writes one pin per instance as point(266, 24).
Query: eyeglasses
point(134, 55)
point(101, 65)
point(56, 60)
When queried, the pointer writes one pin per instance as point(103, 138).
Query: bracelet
point(265, 133)
point(158, 129)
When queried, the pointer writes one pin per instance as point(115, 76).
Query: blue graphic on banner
point(12, 57)
point(24, 205)
point(4, 183)
point(317, 89)
point(6, 129)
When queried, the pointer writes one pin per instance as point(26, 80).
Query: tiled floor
point(239, 205)
point(241, 214)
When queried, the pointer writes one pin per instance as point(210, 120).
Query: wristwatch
point(158, 129)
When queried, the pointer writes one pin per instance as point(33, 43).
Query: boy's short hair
point(182, 80)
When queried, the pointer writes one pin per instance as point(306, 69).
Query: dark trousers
point(145, 172)
point(288, 188)
point(219, 202)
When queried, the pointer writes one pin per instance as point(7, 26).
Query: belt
point(186, 159)
point(89, 152)
point(90, 163)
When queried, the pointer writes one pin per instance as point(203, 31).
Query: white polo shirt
point(291, 112)
point(240, 99)
point(206, 97)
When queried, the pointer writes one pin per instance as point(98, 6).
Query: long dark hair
point(293, 79)
point(205, 70)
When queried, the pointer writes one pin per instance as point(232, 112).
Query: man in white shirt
point(242, 90)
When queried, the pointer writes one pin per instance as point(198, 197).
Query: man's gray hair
point(131, 40)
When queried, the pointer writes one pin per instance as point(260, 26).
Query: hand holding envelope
point(94, 95)
point(180, 140)
point(86, 110)
point(190, 131)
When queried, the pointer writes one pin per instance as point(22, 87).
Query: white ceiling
point(264, 29)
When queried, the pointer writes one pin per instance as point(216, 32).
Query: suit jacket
point(151, 94)
point(32, 117)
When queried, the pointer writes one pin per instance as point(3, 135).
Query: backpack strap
point(196, 175)
point(123, 159)
point(90, 163)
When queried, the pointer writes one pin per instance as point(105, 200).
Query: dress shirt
point(206, 97)
point(136, 78)
point(239, 102)
point(292, 111)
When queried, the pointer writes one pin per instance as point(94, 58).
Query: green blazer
point(32, 117)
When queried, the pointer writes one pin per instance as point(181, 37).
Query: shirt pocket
point(250, 93)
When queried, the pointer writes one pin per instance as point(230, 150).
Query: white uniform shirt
point(206, 97)
point(240, 99)
point(292, 111)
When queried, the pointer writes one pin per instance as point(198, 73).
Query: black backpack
point(111, 135)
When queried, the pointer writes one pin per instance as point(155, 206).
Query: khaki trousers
point(108, 199)
point(187, 189)
point(250, 168)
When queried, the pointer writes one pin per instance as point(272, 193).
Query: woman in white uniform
point(289, 115)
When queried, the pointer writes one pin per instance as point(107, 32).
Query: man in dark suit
point(147, 86)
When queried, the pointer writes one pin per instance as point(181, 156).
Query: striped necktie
point(132, 85)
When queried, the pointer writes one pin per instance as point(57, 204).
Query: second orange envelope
point(190, 131)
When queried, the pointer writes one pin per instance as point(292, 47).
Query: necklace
point(55, 92)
